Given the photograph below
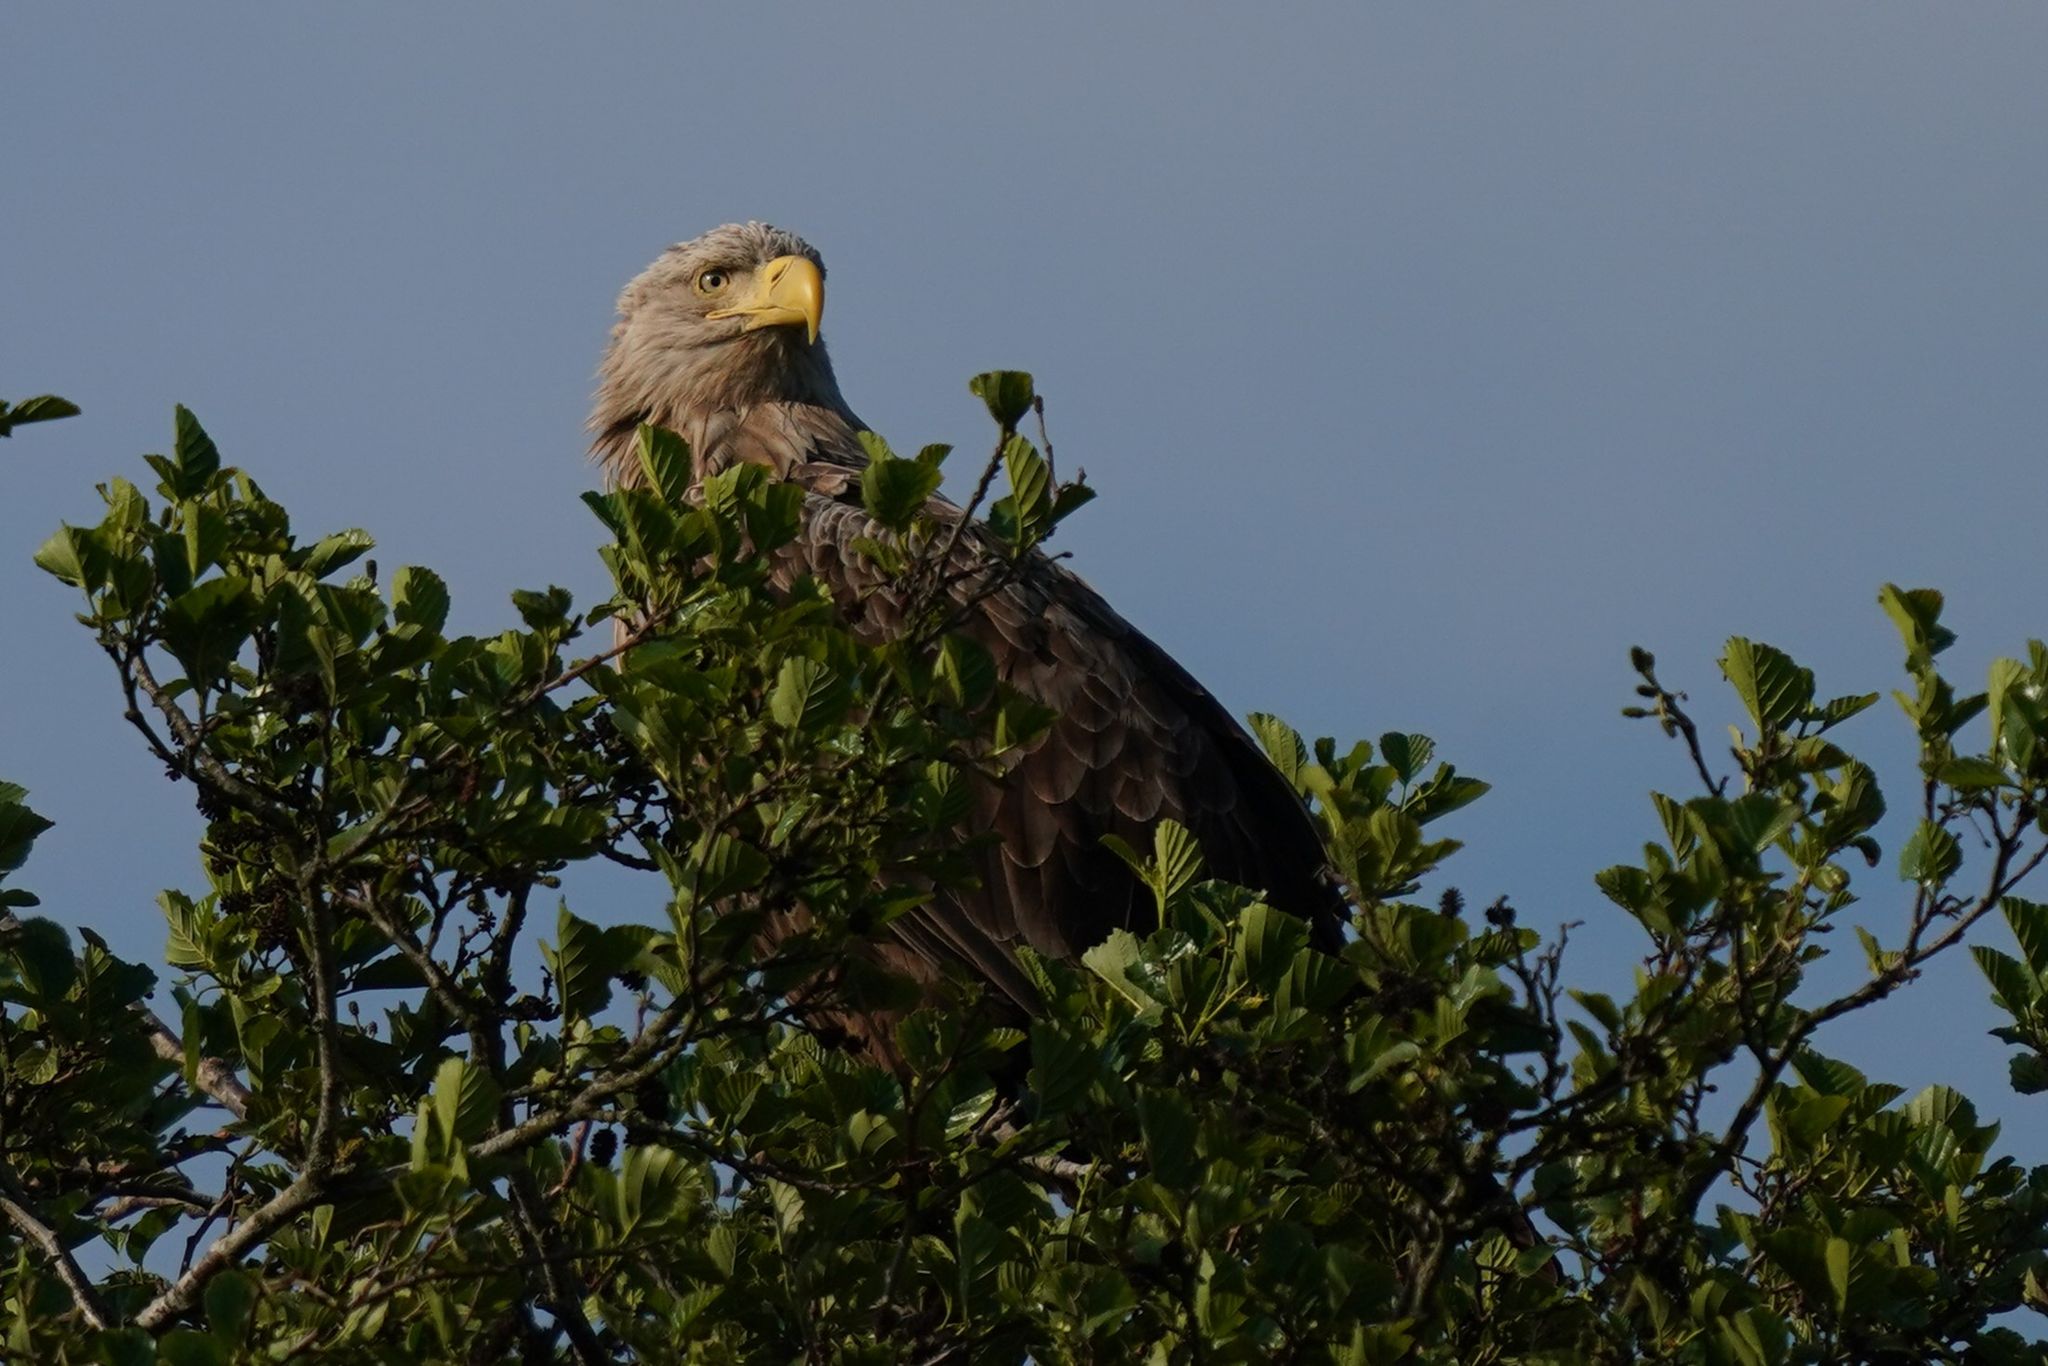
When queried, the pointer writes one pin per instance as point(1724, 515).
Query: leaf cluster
point(420, 1098)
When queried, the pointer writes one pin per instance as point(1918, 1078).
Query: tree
point(410, 1111)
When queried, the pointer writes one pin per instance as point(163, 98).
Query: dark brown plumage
point(716, 340)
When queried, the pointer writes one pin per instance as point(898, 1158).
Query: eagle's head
point(723, 323)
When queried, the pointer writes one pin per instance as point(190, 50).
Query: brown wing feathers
point(1134, 740)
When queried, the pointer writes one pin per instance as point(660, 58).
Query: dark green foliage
point(43, 408)
point(419, 1107)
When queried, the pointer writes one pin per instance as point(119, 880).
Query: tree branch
point(45, 1238)
point(212, 1076)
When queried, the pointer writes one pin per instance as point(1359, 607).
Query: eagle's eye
point(710, 282)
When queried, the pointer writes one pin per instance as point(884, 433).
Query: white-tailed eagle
point(718, 341)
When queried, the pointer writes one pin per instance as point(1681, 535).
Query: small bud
point(1641, 660)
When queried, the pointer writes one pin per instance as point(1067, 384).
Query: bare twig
point(1672, 717)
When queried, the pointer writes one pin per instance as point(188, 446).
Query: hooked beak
point(787, 291)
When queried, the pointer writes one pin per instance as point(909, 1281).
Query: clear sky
point(1428, 356)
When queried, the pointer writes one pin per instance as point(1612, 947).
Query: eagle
point(718, 340)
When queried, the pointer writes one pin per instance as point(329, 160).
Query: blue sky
point(1427, 356)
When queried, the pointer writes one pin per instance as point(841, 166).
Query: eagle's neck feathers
point(765, 397)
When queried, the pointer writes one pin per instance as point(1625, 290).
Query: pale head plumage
point(674, 362)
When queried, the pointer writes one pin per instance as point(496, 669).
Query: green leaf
point(2029, 1072)
point(206, 626)
point(666, 464)
point(1601, 1007)
point(187, 1347)
point(229, 1297)
point(875, 446)
point(943, 799)
point(192, 1035)
point(1875, 954)
point(1841, 1259)
point(1062, 1067)
point(1115, 960)
point(1408, 754)
point(978, 1243)
point(807, 695)
point(1829, 1076)
point(652, 1181)
point(1444, 793)
point(1755, 1337)
point(1930, 856)
point(1942, 1106)
point(206, 536)
point(2015, 716)
point(1774, 690)
point(70, 555)
point(1969, 773)
point(1030, 481)
point(127, 1347)
point(1177, 857)
point(1812, 1117)
point(419, 598)
point(582, 964)
point(1267, 942)
point(42, 956)
point(774, 515)
point(198, 459)
point(1839, 709)
point(465, 1100)
point(1917, 614)
point(19, 827)
point(1282, 744)
point(1373, 1052)
point(1070, 499)
point(1008, 394)
point(2029, 923)
point(966, 670)
point(723, 866)
point(41, 408)
point(543, 612)
point(330, 553)
point(1625, 885)
point(1019, 720)
point(895, 491)
point(1757, 820)
point(1168, 1124)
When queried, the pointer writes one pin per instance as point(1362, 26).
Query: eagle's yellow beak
point(787, 291)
